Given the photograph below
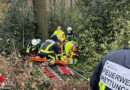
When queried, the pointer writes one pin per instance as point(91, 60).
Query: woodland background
point(100, 26)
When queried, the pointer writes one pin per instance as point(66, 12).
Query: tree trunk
point(71, 4)
point(40, 14)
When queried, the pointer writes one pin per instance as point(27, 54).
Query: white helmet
point(34, 42)
point(69, 29)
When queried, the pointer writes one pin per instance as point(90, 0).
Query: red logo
point(2, 84)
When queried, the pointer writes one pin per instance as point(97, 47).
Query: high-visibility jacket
point(49, 48)
point(101, 86)
point(68, 51)
point(31, 48)
point(68, 46)
point(60, 34)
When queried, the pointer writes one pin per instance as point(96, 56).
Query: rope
point(77, 69)
point(82, 71)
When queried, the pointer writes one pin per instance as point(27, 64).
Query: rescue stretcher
point(50, 73)
point(42, 60)
point(62, 66)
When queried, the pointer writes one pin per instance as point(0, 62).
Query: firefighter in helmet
point(50, 48)
point(71, 50)
point(33, 47)
point(70, 34)
point(115, 65)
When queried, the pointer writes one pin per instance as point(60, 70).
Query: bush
point(100, 27)
point(18, 26)
point(106, 28)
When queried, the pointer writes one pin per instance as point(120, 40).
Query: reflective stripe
point(60, 34)
point(47, 48)
point(28, 49)
point(58, 55)
point(51, 41)
point(34, 48)
point(44, 51)
point(51, 57)
point(101, 86)
point(41, 47)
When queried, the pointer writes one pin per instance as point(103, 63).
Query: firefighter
point(110, 70)
point(49, 49)
point(61, 36)
point(70, 34)
point(33, 47)
point(71, 51)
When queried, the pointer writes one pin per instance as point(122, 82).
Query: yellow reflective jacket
point(68, 50)
point(60, 34)
point(31, 48)
point(101, 86)
point(68, 46)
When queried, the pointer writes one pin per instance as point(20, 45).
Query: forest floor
point(21, 74)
